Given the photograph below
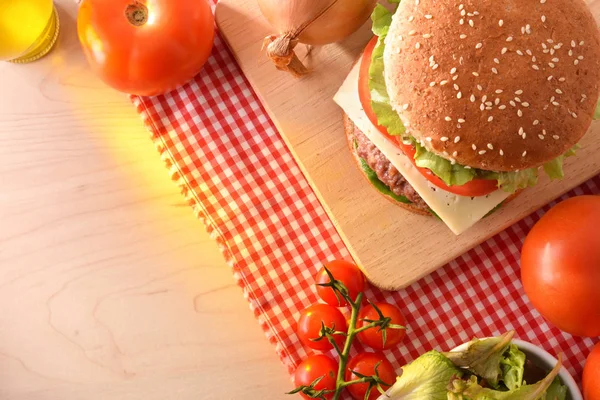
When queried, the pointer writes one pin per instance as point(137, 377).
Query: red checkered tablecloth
point(244, 185)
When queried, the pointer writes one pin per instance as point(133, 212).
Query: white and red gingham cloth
point(242, 182)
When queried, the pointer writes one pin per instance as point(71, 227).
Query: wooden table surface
point(109, 286)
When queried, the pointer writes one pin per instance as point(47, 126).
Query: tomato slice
point(474, 188)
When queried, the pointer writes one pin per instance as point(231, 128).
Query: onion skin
point(311, 22)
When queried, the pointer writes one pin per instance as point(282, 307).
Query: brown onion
point(312, 22)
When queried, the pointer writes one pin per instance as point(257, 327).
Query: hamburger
point(456, 105)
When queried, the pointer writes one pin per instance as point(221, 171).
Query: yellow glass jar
point(28, 29)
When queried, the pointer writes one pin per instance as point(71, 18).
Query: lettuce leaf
point(380, 100)
point(597, 113)
point(451, 174)
point(556, 391)
point(427, 377)
point(513, 367)
point(554, 168)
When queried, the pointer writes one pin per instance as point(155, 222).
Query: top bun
point(500, 85)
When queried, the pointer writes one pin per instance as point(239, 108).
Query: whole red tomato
point(347, 273)
point(314, 367)
point(309, 326)
point(560, 266)
point(364, 364)
point(373, 337)
point(591, 375)
point(146, 47)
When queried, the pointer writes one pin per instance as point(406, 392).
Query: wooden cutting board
point(393, 247)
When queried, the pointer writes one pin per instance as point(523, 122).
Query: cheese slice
point(458, 212)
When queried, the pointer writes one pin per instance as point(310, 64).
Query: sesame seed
point(444, 139)
point(462, 21)
point(512, 103)
point(461, 6)
point(405, 107)
point(518, 100)
point(475, 73)
point(533, 59)
point(535, 67)
point(528, 29)
point(574, 115)
point(552, 99)
point(457, 139)
point(436, 66)
point(463, 12)
point(417, 2)
point(432, 84)
point(525, 104)
point(552, 51)
point(454, 153)
point(490, 119)
point(496, 61)
point(551, 65)
point(543, 18)
point(555, 59)
point(550, 77)
point(550, 41)
point(562, 79)
point(431, 59)
point(501, 152)
point(475, 12)
point(472, 98)
point(489, 108)
point(524, 135)
point(523, 30)
point(442, 83)
point(528, 52)
point(428, 16)
point(479, 45)
point(479, 87)
point(580, 58)
point(418, 45)
point(559, 91)
point(428, 139)
point(494, 70)
point(455, 77)
point(519, 91)
point(519, 113)
point(544, 132)
point(456, 87)
point(411, 18)
point(555, 103)
point(519, 52)
point(452, 71)
point(412, 32)
point(546, 51)
point(461, 120)
point(521, 131)
point(581, 43)
point(584, 96)
point(570, 53)
point(482, 107)
point(544, 45)
point(482, 152)
point(458, 95)
point(525, 152)
point(484, 98)
point(541, 137)
point(509, 39)
point(490, 146)
point(489, 103)
point(502, 107)
point(471, 23)
point(497, 101)
point(536, 122)
point(463, 36)
point(500, 23)
point(426, 35)
point(474, 147)
point(555, 137)
point(448, 119)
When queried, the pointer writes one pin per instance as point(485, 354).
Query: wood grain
point(394, 247)
point(109, 286)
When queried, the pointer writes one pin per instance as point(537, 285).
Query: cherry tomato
point(373, 337)
point(364, 364)
point(591, 375)
point(560, 266)
point(347, 273)
point(314, 367)
point(474, 188)
point(146, 47)
point(309, 325)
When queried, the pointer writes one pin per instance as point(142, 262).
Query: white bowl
point(542, 358)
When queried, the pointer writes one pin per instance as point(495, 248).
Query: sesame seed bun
point(500, 85)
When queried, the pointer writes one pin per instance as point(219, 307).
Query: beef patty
point(378, 162)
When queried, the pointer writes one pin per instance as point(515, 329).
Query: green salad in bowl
point(497, 368)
